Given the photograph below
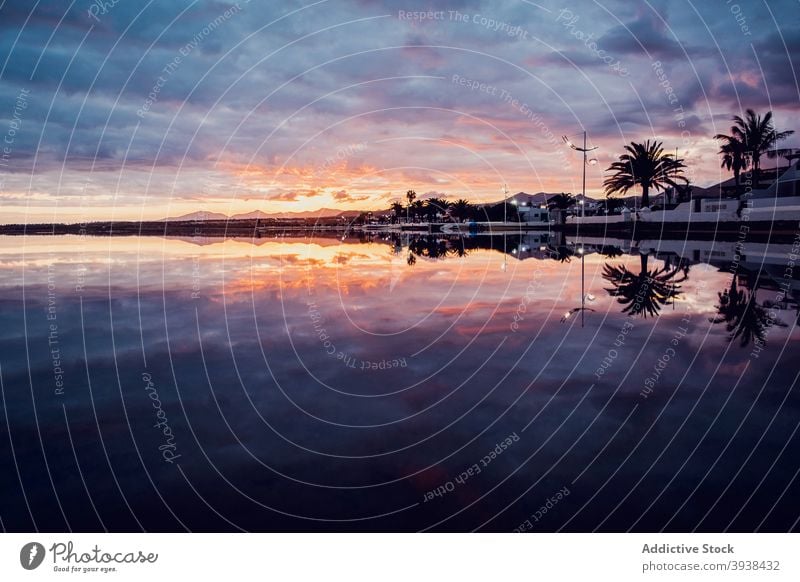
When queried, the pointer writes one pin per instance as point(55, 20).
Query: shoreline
point(771, 231)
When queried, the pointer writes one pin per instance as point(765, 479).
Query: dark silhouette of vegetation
point(558, 205)
point(562, 254)
point(611, 252)
point(458, 248)
point(734, 156)
point(437, 247)
point(417, 209)
point(743, 317)
point(561, 201)
point(759, 137)
point(461, 209)
point(645, 166)
point(410, 196)
point(644, 293)
point(499, 212)
point(611, 204)
point(397, 208)
point(436, 206)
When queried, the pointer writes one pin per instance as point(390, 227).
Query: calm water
point(320, 383)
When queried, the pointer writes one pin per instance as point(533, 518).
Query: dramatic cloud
point(227, 106)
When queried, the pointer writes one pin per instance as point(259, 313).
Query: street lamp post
point(586, 162)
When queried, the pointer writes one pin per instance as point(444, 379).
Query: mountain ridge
point(201, 215)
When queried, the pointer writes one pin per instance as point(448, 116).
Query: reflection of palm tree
point(643, 293)
point(611, 252)
point(397, 246)
point(743, 317)
point(436, 248)
point(561, 254)
point(428, 247)
point(458, 248)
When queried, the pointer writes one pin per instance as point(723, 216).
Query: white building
point(532, 208)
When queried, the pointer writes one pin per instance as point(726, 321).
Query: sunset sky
point(119, 111)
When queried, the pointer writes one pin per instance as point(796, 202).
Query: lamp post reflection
point(504, 266)
point(580, 250)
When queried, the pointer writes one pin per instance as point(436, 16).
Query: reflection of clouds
point(247, 354)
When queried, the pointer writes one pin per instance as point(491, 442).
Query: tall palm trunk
point(645, 196)
point(756, 170)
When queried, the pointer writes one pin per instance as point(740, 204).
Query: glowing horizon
point(243, 107)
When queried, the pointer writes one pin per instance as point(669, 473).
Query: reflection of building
point(598, 244)
point(766, 263)
point(530, 246)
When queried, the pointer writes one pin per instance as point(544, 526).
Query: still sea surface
point(320, 382)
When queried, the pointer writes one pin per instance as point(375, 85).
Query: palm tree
point(734, 155)
point(743, 317)
point(759, 136)
point(418, 208)
point(561, 201)
point(643, 293)
point(410, 196)
point(611, 204)
point(397, 208)
point(461, 209)
point(647, 166)
point(434, 206)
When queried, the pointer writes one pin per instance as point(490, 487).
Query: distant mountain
point(203, 215)
point(196, 217)
point(254, 215)
point(321, 213)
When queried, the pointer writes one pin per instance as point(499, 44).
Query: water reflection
point(315, 382)
point(644, 292)
point(745, 319)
